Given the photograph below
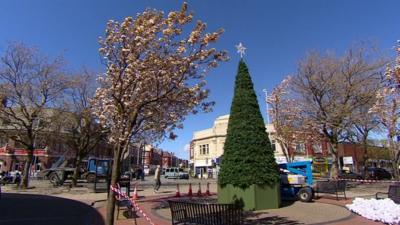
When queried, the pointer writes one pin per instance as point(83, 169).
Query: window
point(317, 148)
point(273, 144)
point(300, 147)
point(204, 150)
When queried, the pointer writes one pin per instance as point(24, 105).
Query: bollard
point(190, 193)
point(199, 191)
point(177, 193)
point(208, 189)
point(135, 194)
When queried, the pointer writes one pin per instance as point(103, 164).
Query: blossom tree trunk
point(115, 175)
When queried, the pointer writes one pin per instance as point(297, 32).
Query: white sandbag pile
point(384, 210)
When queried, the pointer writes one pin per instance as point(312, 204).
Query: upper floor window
point(204, 150)
point(300, 147)
point(317, 148)
point(273, 144)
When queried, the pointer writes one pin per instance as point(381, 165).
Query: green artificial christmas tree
point(249, 173)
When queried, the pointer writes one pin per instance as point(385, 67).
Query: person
point(17, 178)
point(157, 177)
point(139, 174)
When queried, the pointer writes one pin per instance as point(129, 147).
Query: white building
point(208, 145)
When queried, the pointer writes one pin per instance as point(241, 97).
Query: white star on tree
point(240, 49)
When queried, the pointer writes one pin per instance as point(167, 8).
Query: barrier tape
point(371, 181)
point(134, 204)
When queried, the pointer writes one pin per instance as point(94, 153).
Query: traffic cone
point(199, 191)
point(135, 194)
point(208, 189)
point(190, 193)
point(177, 194)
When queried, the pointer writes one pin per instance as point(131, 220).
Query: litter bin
point(125, 185)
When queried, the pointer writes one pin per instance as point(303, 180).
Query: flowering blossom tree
point(387, 108)
point(154, 78)
point(285, 112)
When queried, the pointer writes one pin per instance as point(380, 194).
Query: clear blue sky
point(276, 33)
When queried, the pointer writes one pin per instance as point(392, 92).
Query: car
point(175, 172)
point(345, 174)
point(379, 174)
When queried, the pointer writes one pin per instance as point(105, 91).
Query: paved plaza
point(46, 205)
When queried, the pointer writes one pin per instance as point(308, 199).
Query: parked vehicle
point(13, 177)
point(378, 174)
point(345, 174)
point(296, 181)
point(175, 172)
point(89, 170)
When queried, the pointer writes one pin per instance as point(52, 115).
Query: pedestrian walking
point(157, 179)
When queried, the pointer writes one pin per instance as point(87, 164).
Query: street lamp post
point(266, 98)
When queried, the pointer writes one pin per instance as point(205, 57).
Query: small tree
point(85, 134)
point(248, 156)
point(154, 78)
point(30, 86)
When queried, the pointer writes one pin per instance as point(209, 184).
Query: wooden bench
point(185, 212)
point(331, 187)
point(393, 193)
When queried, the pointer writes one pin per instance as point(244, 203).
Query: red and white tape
point(120, 193)
point(371, 181)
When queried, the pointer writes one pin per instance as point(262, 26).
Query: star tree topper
point(240, 49)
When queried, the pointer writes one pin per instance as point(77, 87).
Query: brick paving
point(162, 217)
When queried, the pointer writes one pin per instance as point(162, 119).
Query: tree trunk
point(28, 162)
point(335, 162)
point(285, 151)
point(76, 174)
point(115, 174)
point(365, 158)
point(392, 148)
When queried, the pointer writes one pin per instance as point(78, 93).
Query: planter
point(255, 197)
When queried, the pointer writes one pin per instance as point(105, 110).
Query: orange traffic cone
point(199, 191)
point(177, 194)
point(190, 193)
point(135, 194)
point(208, 189)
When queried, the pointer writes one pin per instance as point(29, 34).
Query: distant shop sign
point(348, 160)
point(319, 160)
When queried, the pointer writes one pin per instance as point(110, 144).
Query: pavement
point(31, 209)
point(45, 205)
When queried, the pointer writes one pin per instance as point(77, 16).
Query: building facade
point(207, 146)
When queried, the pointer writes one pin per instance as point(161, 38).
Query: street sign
point(348, 160)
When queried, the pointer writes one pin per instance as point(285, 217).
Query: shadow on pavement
point(254, 218)
point(29, 209)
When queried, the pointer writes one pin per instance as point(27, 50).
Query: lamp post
point(266, 98)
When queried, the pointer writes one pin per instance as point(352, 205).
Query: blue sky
point(276, 33)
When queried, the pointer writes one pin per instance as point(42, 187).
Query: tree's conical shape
point(248, 156)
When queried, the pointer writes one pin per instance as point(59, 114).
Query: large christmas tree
point(248, 156)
